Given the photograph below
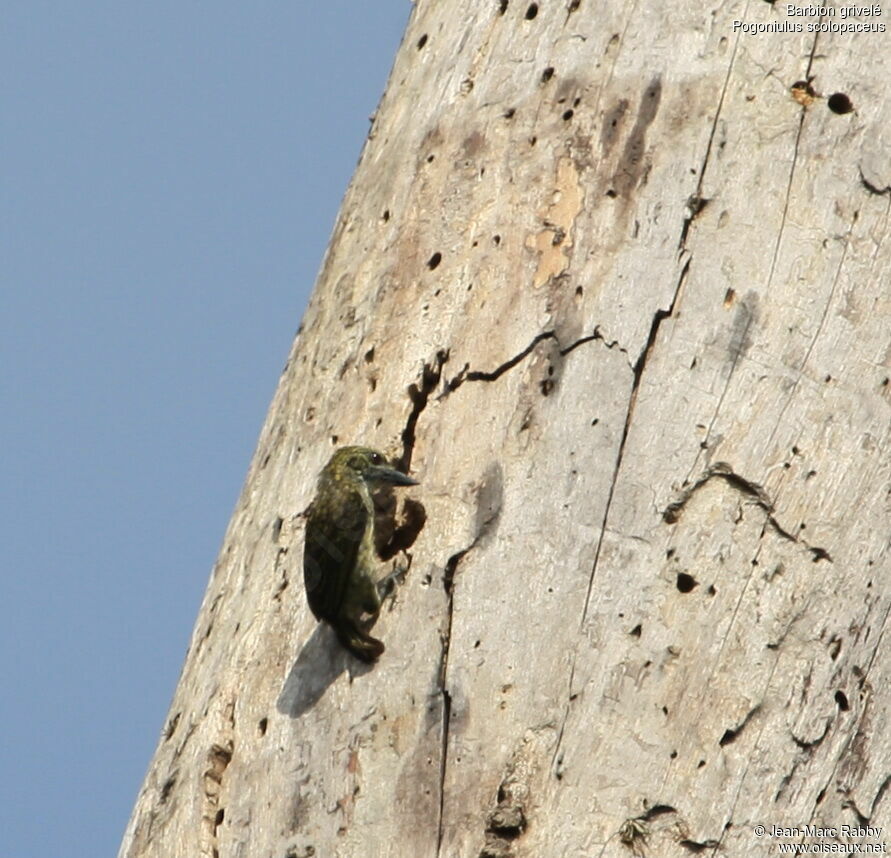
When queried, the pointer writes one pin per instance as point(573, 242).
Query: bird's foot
point(387, 585)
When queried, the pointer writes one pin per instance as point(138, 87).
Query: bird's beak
point(391, 475)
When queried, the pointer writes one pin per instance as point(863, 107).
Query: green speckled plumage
point(338, 555)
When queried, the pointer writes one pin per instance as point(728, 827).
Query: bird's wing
point(334, 532)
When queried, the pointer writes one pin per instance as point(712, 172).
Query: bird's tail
point(359, 642)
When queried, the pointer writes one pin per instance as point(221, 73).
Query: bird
point(339, 552)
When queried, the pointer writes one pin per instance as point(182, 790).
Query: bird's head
point(367, 465)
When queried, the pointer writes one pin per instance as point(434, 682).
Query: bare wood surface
point(618, 294)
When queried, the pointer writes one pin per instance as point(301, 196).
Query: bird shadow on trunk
point(321, 660)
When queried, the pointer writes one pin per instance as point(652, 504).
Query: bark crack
point(857, 735)
point(218, 759)
point(809, 744)
point(466, 374)
point(749, 757)
point(448, 585)
point(818, 332)
point(696, 202)
point(597, 335)
point(695, 205)
point(731, 734)
point(873, 189)
point(639, 366)
point(448, 581)
point(638, 370)
point(752, 490)
point(736, 353)
point(697, 846)
point(780, 231)
point(509, 364)
point(419, 394)
point(880, 793)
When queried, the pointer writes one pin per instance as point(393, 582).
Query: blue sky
point(170, 176)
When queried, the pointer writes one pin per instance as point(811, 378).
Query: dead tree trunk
point(611, 279)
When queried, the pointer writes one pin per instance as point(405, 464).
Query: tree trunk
point(611, 280)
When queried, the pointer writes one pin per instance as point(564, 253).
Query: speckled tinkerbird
point(339, 553)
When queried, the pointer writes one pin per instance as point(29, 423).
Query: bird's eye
point(376, 458)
